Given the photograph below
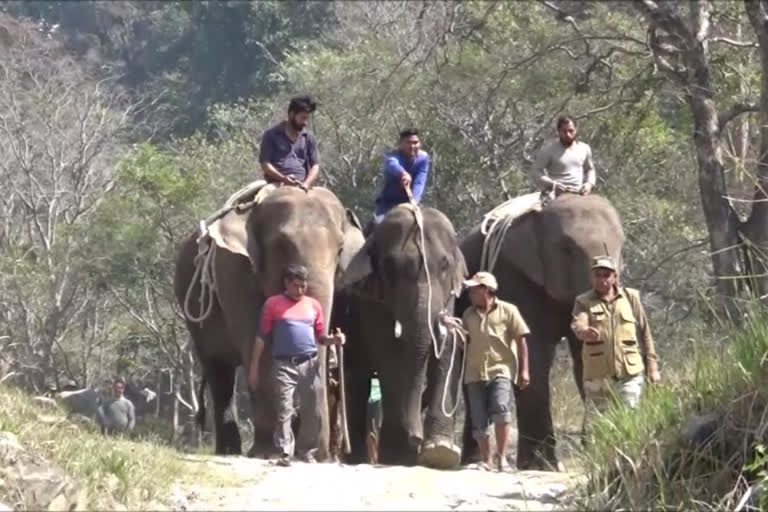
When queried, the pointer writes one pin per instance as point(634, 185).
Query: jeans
point(489, 401)
point(302, 379)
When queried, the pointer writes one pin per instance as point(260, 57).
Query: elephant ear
point(252, 243)
point(459, 272)
point(352, 243)
point(359, 267)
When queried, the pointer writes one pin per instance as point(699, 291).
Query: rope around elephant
point(455, 329)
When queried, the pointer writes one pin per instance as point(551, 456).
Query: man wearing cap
point(497, 356)
point(618, 347)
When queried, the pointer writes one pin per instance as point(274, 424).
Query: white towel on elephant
point(497, 221)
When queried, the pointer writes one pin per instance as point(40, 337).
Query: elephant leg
point(536, 436)
point(439, 449)
point(575, 345)
point(221, 379)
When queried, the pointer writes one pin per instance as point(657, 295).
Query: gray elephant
point(542, 267)
point(289, 226)
point(398, 334)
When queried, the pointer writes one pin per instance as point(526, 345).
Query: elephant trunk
point(416, 343)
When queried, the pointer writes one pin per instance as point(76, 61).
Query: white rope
point(205, 271)
point(458, 333)
point(420, 224)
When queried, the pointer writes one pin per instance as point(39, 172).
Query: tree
point(60, 132)
point(682, 51)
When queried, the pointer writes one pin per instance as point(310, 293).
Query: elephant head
point(554, 248)
point(412, 275)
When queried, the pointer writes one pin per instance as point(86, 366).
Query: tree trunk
point(756, 227)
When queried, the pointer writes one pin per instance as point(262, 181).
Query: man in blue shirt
point(406, 168)
point(288, 152)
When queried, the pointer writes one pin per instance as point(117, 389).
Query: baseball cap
point(603, 262)
point(482, 279)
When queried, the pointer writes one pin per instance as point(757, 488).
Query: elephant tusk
point(398, 329)
point(442, 330)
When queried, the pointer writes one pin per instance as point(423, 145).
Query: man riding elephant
point(288, 152)
point(289, 226)
point(564, 165)
point(403, 170)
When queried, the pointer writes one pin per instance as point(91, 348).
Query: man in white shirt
point(564, 165)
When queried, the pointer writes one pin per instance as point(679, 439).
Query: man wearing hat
point(497, 356)
point(618, 347)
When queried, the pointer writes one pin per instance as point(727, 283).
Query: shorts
point(489, 401)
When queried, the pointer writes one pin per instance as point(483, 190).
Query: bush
point(648, 458)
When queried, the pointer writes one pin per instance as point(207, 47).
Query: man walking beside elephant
point(293, 322)
point(618, 345)
point(497, 356)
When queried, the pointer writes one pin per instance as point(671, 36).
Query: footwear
point(284, 461)
point(310, 459)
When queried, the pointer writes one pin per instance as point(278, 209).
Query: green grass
point(640, 460)
point(134, 473)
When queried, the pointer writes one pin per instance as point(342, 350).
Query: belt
point(303, 358)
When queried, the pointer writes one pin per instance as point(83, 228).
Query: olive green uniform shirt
point(491, 348)
point(624, 334)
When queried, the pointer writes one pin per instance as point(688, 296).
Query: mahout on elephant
point(394, 290)
point(543, 263)
point(252, 248)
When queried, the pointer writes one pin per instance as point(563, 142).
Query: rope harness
point(205, 260)
point(454, 326)
point(497, 222)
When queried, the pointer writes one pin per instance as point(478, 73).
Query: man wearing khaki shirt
point(618, 347)
point(497, 356)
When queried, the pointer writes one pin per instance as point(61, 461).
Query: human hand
point(523, 379)
point(590, 335)
point(290, 180)
point(338, 337)
point(654, 376)
point(586, 188)
point(405, 180)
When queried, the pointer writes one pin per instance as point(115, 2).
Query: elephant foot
point(440, 455)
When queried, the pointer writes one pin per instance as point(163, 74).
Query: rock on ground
point(40, 485)
point(260, 485)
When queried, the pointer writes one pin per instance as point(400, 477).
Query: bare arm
point(272, 174)
point(522, 361)
point(312, 175)
point(253, 366)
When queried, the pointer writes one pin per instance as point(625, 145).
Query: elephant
point(398, 335)
point(543, 265)
point(289, 226)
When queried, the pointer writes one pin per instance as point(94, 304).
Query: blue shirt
point(291, 158)
point(294, 325)
point(392, 193)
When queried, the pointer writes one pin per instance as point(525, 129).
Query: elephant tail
point(200, 416)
